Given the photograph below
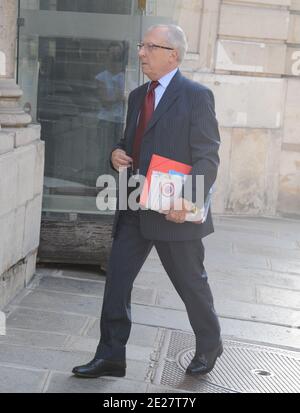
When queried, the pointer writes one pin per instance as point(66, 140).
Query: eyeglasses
point(149, 47)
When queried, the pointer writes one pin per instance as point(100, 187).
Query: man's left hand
point(177, 213)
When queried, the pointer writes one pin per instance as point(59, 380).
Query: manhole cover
point(243, 367)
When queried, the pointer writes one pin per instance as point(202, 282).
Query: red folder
point(161, 164)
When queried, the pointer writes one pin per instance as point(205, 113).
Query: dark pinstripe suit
point(183, 128)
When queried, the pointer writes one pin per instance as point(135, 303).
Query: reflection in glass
point(111, 89)
point(77, 62)
point(81, 103)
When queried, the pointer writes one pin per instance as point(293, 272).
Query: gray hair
point(176, 38)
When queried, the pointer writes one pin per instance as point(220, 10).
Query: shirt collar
point(166, 79)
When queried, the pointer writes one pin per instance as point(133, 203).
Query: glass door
point(77, 63)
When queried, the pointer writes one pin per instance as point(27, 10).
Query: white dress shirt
point(163, 84)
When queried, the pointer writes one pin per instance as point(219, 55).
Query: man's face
point(157, 62)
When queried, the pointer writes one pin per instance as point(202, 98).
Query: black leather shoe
point(205, 362)
point(100, 367)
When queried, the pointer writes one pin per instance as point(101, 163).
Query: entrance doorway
point(77, 63)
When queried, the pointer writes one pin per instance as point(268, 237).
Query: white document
point(165, 189)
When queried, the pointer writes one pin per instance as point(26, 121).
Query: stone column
point(11, 114)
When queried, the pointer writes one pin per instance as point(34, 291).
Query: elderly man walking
point(173, 117)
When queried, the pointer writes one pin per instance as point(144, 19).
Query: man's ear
point(175, 56)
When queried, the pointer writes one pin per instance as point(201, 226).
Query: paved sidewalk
point(254, 271)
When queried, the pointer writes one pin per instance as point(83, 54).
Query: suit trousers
point(183, 262)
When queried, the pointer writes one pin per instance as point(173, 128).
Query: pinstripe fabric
point(183, 128)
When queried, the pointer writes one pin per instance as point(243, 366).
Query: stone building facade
point(246, 51)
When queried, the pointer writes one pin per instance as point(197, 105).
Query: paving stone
point(143, 295)
point(257, 224)
point(79, 343)
point(45, 359)
point(33, 338)
point(153, 279)
point(153, 265)
point(215, 242)
point(78, 272)
point(245, 238)
point(278, 296)
point(286, 232)
point(46, 321)
point(237, 291)
point(61, 284)
point(286, 266)
point(175, 319)
point(233, 228)
point(221, 289)
point(139, 353)
point(258, 312)
point(160, 317)
point(63, 383)
point(140, 335)
point(17, 380)
point(229, 306)
point(86, 287)
point(269, 251)
point(62, 302)
point(170, 299)
point(137, 369)
point(260, 332)
point(252, 236)
point(254, 277)
point(153, 254)
point(236, 260)
point(88, 344)
point(225, 253)
point(162, 389)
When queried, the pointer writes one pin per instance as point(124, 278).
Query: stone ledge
point(24, 136)
point(32, 225)
point(16, 278)
point(9, 174)
point(11, 238)
point(6, 142)
point(39, 167)
point(12, 282)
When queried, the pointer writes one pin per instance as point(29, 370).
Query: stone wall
point(21, 184)
point(248, 53)
point(21, 171)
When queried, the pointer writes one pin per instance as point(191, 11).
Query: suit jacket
point(183, 128)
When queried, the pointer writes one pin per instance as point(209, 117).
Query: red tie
point(145, 115)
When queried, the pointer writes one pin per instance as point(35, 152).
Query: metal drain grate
point(242, 368)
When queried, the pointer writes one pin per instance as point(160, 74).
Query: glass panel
point(88, 6)
point(76, 70)
point(81, 105)
point(77, 63)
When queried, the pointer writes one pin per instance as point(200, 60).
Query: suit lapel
point(168, 98)
point(137, 104)
point(136, 107)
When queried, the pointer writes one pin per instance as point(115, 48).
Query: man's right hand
point(119, 159)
